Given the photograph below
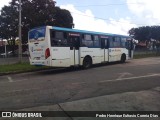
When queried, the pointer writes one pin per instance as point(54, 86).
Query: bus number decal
point(74, 34)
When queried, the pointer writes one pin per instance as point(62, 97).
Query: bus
point(64, 47)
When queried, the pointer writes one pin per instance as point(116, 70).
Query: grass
point(145, 55)
point(19, 67)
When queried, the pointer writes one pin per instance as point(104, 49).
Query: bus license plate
point(37, 58)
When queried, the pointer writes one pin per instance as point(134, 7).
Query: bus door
point(104, 46)
point(74, 43)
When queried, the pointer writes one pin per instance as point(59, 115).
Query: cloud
point(146, 11)
point(4, 2)
point(85, 20)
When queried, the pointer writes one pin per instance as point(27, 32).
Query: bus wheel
point(123, 58)
point(87, 62)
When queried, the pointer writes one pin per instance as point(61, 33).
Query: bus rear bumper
point(39, 62)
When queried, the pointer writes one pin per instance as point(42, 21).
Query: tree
point(8, 24)
point(145, 33)
point(141, 33)
point(60, 14)
point(148, 34)
point(155, 30)
point(34, 13)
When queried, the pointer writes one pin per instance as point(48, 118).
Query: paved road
point(59, 86)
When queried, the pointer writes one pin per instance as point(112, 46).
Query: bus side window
point(82, 41)
point(96, 42)
point(129, 44)
point(123, 42)
point(77, 42)
point(104, 43)
point(52, 36)
point(115, 42)
point(58, 38)
point(74, 41)
point(111, 42)
point(87, 40)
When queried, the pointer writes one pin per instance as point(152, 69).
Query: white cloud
point(4, 2)
point(87, 21)
point(147, 11)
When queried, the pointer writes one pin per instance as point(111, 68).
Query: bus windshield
point(37, 33)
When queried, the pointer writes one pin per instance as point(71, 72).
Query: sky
point(110, 16)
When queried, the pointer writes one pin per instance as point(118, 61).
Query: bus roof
point(80, 31)
point(85, 31)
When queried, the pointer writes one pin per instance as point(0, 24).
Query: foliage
point(34, 13)
point(145, 33)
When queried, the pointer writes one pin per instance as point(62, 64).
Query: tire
point(87, 62)
point(123, 58)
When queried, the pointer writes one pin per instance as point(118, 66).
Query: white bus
point(64, 47)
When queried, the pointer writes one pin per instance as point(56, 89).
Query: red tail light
point(47, 53)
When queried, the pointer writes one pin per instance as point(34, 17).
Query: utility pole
point(20, 32)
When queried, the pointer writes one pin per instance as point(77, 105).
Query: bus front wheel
point(123, 58)
point(87, 62)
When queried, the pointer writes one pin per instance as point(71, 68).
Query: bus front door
point(130, 48)
point(74, 50)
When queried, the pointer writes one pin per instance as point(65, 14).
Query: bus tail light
point(47, 53)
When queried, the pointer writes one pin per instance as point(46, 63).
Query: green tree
point(34, 13)
point(145, 33)
point(141, 33)
point(8, 25)
point(155, 30)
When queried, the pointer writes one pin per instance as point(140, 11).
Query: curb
point(18, 72)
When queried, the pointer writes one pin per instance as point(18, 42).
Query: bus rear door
point(104, 46)
point(74, 43)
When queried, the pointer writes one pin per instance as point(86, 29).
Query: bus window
point(96, 42)
point(111, 42)
point(58, 38)
point(87, 40)
point(115, 42)
point(129, 44)
point(74, 40)
point(104, 42)
point(37, 33)
point(123, 42)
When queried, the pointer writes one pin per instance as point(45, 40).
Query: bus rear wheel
point(87, 62)
point(123, 58)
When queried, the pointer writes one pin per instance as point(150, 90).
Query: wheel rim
point(87, 63)
point(123, 58)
